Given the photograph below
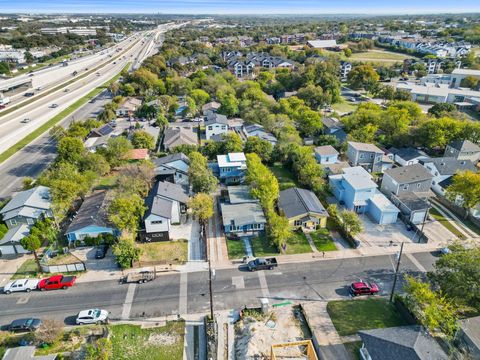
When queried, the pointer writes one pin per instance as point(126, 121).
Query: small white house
point(326, 154)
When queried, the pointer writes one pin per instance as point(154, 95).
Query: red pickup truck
point(57, 282)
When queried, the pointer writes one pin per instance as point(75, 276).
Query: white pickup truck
point(21, 285)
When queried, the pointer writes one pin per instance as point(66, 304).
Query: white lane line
point(415, 262)
point(263, 284)
point(127, 305)
point(238, 282)
point(182, 301)
point(23, 300)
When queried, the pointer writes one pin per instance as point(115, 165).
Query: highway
point(187, 293)
point(13, 129)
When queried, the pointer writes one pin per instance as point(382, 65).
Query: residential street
point(233, 288)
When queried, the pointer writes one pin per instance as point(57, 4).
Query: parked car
point(26, 120)
point(57, 282)
point(363, 288)
point(20, 285)
point(101, 252)
point(30, 324)
point(92, 316)
point(53, 106)
point(262, 264)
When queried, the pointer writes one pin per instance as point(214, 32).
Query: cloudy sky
point(242, 6)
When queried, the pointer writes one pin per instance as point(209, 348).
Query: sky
point(242, 6)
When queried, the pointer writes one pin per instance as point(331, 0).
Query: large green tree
point(466, 188)
point(143, 140)
point(363, 77)
point(202, 207)
point(125, 211)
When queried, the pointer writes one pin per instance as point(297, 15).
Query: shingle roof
point(138, 154)
point(242, 214)
point(401, 343)
point(171, 191)
point(449, 165)
point(214, 118)
point(465, 145)
point(15, 234)
point(161, 207)
point(332, 123)
point(171, 158)
point(37, 197)
point(365, 147)
point(409, 173)
point(295, 202)
point(326, 150)
point(179, 136)
point(407, 153)
point(93, 211)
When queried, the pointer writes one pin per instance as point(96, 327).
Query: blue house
point(91, 219)
point(356, 189)
point(232, 168)
point(326, 154)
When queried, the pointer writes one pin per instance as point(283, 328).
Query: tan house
point(128, 107)
point(302, 208)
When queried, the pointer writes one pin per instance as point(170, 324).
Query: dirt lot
point(257, 332)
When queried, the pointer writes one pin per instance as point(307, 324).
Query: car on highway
point(57, 282)
point(53, 106)
point(29, 324)
point(30, 75)
point(92, 316)
point(20, 285)
point(2, 106)
point(66, 90)
point(101, 251)
point(29, 94)
point(363, 288)
point(39, 88)
point(26, 120)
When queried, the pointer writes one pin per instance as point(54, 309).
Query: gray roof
point(465, 145)
point(242, 214)
point(179, 136)
point(450, 165)
point(409, 174)
point(161, 207)
point(471, 328)
point(296, 202)
point(407, 153)
point(93, 211)
point(412, 201)
point(26, 353)
point(365, 147)
point(15, 234)
point(171, 191)
point(401, 343)
point(171, 158)
point(37, 197)
point(240, 194)
point(326, 150)
point(214, 118)
point(332, 123)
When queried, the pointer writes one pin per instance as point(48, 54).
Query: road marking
point(263, 284)
point(238, 282)
point(127, 305)
point(416, 263)
point(23, 300)
point(182, 301)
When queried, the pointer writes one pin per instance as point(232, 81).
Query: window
point(13, 222)
point(405, 187)
point(156, 222)
point(30, 221)
point(298, 223)
point(210, 128)
point(371, 156)
point(327, 159)
point(361, 156)
point(180, 176)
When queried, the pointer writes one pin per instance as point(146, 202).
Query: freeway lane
point(188, 292)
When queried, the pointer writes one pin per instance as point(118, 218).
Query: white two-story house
point(215, 124)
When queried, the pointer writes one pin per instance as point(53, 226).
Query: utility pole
point(396, 273)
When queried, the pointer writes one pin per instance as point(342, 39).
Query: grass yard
point(444, 221)
point(106, 182)
point(63, 259)
point(235, 249)
point(379, 55)
point(131, 342)
point(298, 244)
point(350, 316)
point(284, 176)
point(262, 247)
point(322, 240)
point(353, 349)
point(171, 252)
point(28, 269)
point(344, 107)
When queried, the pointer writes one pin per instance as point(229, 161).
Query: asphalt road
point(36, 156)
point(233, 288)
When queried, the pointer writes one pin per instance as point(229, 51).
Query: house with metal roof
point(358, 192)
point(463, 150)
point(91, 219)
point(232, 168)
point(258, 131)
point(215, 124)
point(302, 208)
point(400, 343)
point(173, 168)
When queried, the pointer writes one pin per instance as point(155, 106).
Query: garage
point(10, 243)
point(7, 250)
point(417, 217)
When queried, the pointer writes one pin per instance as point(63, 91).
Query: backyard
point(171, 252)
point(344, 107)
point(284, 176)
point(322, 240)
point(350, 316)
point(131, 342)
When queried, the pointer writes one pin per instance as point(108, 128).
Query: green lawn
point(235, 249)
point(130, 342)
point(442, 220)
point(344, 107)
point(262, 247)
point(106, 182)
point(284, 176)
point(27, 270)
point(171, 252)
point(350, 316)
point(298, 244)
point(379, 55)
point(322, 240)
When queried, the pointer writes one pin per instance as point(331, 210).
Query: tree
point(136, 178)
point(32, 243)
point(263, 183)
point(456, 274)
point(117, 150)
point(70, 149)
point(125, 211)
point(261, 147)
point(430, 308)
point(470, 82)
point(365, 134)
point(363, 77)
point(201, 177)
point(232, 142)
point(350, 222)
point(313, 96)
point(101, 350)
point(228, 105)
point(95, 162)
point(126, 252)
point(279, 230)
point(465, 187)
point(442, 109)
point(200, 97)
point(143, 140)
point(49, 331)
point(202, 207)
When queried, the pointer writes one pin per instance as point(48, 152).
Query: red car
point(363, 288)
point(57, 282)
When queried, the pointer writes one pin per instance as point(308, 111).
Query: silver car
point(92, 316)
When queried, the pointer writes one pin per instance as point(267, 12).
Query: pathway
point(453, 219)
point(311, 243)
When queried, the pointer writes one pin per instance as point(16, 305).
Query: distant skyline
point(191, 7)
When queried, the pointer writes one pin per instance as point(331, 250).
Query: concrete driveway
point(190, 230)
point(381, 235)
point(87, 255)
